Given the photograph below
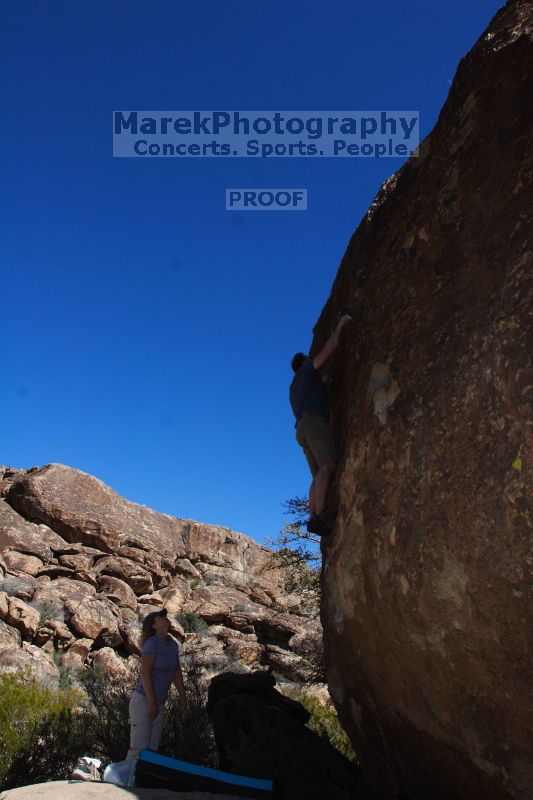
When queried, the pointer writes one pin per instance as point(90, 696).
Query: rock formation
point(248, 710)
point(81, 567)
point(237, 702)
point(425, 579)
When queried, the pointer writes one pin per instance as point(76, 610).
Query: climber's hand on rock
point(344, 319)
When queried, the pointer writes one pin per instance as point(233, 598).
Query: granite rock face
point(81, 567)
point(427, 577)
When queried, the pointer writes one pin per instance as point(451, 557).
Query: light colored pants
point(145, 730)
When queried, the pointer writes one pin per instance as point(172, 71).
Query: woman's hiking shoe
point(322, 524)
point(86, 769)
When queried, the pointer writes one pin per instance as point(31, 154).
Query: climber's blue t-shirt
point(307, 393)
point(166, 662)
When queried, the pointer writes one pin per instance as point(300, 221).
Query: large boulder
point(175, 595)
point(78, 790)
point(61, 597)
point(216, 602)
point(131, 638)
point(18, 534)
point(127, 571)
point(22, 562)
point(425, 585)
point(82, 508)
point(238, 702)
point(76, 561)
point(20, 585)
point(111, 664)
point(118, 591)
point(9, 636)
point(95, 615)
point(259, 731)
point(241, 647)
point(4, 605)
point(30, 661)
point(22, 616)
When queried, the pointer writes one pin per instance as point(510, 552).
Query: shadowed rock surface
point(237, 702)
point(427, 576)
point(249, 709)
point(81, 567)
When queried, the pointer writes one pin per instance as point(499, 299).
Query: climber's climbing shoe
point(322, 524)
point(314, 526)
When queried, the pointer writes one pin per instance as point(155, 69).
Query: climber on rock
point(309, 403)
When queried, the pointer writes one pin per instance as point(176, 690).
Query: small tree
point(297, 553)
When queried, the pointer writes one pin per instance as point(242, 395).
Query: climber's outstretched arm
point(331, 344)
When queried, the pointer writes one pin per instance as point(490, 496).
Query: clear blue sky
point(147, 332)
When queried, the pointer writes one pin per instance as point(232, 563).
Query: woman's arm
point(147, 664)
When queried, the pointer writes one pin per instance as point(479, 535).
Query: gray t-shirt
point(307, 393)
point(166, 662)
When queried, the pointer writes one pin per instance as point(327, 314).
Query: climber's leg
point(321, 484)
point(302, 430)
point(319, 440)
point(313, 434)
point(312, 500)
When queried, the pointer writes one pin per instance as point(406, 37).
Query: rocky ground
point(81, 567)
point(77, 790)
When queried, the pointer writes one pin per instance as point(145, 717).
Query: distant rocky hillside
point(82, 567)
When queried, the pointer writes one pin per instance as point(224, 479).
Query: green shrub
point(106, 714)
point(325, 722)
point(50, 751)
point(192, 623)
point(66, 680)
point(26, 709)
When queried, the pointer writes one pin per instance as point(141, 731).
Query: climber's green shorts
point(313, 434)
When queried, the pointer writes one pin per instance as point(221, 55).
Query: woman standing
point(159, 668)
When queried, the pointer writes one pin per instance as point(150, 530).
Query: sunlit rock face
point(426, 578)
point(81, 567)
